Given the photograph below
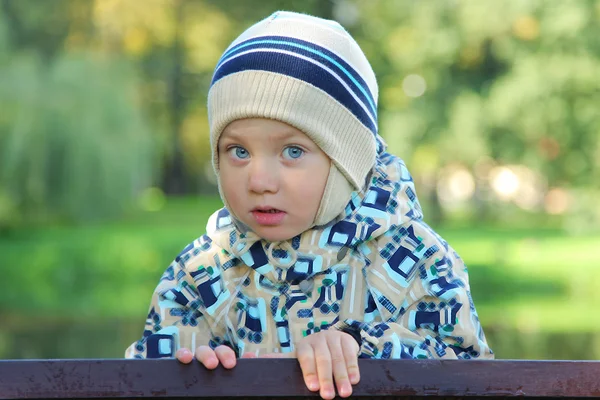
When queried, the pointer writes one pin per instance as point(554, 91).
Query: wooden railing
point(280, 378)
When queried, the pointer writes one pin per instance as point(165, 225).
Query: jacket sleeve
point(175, 319)
point(418, 303)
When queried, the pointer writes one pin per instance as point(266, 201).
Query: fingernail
point(313, 386)
point(328, 394)
point(345, 391)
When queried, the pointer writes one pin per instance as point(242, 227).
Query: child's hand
point(324, 357)
point(327, 356)
point(208, 357)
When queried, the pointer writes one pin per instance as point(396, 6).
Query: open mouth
point(268, 216)
point(265, 209)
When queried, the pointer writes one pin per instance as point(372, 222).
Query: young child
point(321, 252)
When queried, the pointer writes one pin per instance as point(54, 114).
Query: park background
point(105, 172)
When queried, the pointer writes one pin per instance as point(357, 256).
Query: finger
point(306, 358)
point(184, 356)
point(324, 367)
point(226, 356)
point(350, 348)
point(207, 357)
point(338, 364)
point(249, 355)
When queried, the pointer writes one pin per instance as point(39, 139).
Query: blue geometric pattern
point(380, 271)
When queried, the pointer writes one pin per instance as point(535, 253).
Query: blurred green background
point(105, 172)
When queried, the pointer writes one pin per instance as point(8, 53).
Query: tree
point(74, 143)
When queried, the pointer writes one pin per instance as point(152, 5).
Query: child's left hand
point(324, 357)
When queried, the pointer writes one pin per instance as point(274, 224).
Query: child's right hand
point(208, 357)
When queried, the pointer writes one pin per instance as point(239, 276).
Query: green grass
point(105, 269)
point(526, 278)
point(532, 279)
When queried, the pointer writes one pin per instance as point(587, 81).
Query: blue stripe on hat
point(296, 67)
point(318, 53)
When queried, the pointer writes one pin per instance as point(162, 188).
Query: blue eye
point(293, 152)
point(239, 152)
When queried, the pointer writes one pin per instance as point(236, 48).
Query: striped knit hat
point(309, 73)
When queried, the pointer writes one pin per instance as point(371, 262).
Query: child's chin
point(275, 234)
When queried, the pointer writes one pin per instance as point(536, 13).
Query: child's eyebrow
point(283, 135)
point(232, 136)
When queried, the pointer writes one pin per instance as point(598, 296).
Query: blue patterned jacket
point(378, 271)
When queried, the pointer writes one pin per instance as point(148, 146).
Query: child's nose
point(264, 176)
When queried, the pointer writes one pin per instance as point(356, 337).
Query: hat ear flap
point(337, 194)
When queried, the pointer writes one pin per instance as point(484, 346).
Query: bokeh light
point(557, 201)
point(414, 85)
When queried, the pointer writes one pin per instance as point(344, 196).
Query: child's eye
point(293, 152)
point(238, 152)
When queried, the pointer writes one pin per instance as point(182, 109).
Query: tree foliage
point(461, 82)
point(75, 143)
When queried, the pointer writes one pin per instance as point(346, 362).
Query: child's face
point(272, 175)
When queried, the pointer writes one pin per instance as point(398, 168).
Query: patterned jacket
point(378, 270)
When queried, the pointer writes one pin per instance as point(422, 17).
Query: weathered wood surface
point(281, 378)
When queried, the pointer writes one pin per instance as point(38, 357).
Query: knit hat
point(307, 72)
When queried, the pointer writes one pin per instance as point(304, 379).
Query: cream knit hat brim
point(261, 94)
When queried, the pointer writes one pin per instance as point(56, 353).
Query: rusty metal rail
point(280, 378)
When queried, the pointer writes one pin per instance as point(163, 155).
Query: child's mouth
point(268, 216)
